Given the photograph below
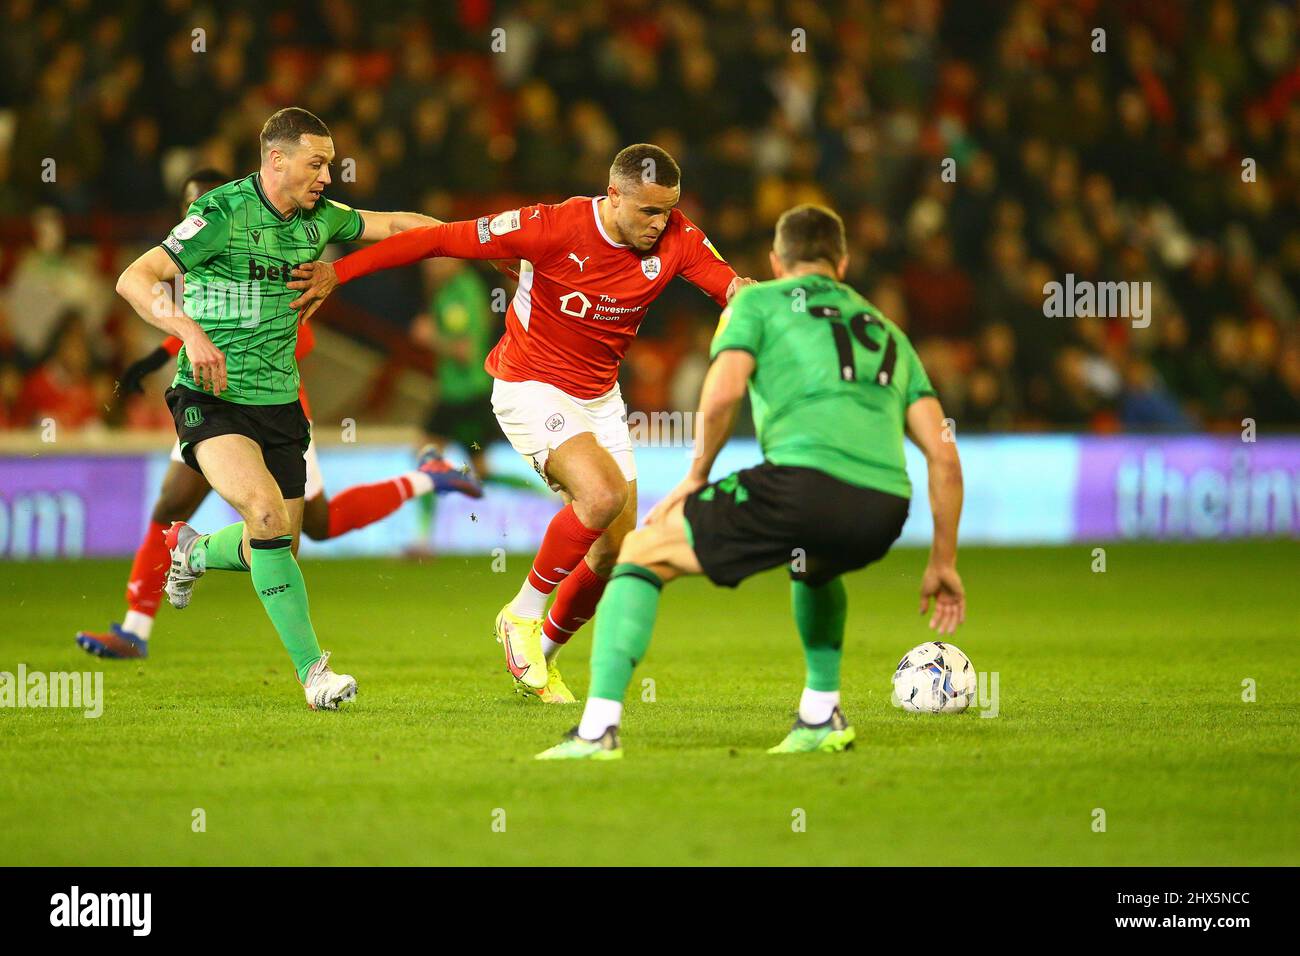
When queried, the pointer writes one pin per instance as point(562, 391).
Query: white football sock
point(815, 706)
point(598, 716)
point(421, 483)
point(529, 602)
point(138, 624)
point(550, 648)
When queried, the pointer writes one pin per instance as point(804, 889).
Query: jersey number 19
point(856, 328)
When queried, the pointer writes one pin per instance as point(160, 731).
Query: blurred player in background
point(590, 267)
point(459, 328)
point(833, 384)
point(235, 396)
point(185, 489)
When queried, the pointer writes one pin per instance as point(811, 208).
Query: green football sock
point(283, 592)
point(625, 619)
point(220, 551)
point(819, 614)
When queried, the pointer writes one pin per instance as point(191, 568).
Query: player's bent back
point(832, 383)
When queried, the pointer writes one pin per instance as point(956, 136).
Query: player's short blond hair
point(810, 233)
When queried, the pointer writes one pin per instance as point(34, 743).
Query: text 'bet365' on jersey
point(237, 252)
point(832, 382)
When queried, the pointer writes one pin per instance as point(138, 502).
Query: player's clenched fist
point(316, 280)
point(207, 361)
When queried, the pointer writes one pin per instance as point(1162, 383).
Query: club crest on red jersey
point(650, 266)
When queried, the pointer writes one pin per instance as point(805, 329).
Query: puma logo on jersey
point(537, 214)
point(581, 262)
point(690, 228)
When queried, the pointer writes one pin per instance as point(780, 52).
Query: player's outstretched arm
point(146, 285)
point(316, 280)
point(941, 582)
point(724, 387)
point(381, 225)
point(469, 239)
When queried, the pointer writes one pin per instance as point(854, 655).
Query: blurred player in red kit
point(589, 269)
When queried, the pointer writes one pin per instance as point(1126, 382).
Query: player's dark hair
point(810, 233)
point(206, 179)
point(286, 126)
point(645, 163)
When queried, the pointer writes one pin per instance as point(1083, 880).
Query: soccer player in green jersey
point(834, 385)
point(235, 395)
point(460, 328)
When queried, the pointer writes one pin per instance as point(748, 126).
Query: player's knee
point(601, 506)
point(266, 518)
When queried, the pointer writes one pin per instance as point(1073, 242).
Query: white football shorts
point(537, 418)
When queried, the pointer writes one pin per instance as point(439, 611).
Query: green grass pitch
point(1119, 691)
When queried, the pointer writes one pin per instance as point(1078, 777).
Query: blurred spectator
point(64, 387)
point(975, 151)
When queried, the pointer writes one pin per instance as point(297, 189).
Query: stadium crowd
point(977, 152)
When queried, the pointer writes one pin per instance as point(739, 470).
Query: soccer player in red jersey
point(590, 267)
point(184, 490)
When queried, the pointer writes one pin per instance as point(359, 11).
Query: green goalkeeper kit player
point(834, 386)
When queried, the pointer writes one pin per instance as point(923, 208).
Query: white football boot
point(325, 689)
point(181, 577)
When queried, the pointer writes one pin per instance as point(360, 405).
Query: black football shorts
point(770, 515)
point(282, 432)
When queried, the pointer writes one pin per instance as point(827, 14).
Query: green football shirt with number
point(832, 382)
point(237, 251)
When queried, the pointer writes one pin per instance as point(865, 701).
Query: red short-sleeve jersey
point(581, 295)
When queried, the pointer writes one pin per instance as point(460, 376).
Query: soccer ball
point(934, 678)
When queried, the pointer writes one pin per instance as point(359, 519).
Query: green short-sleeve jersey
point(832, 382)
point(463, 311)
point(237, 252)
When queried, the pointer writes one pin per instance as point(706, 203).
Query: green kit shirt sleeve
point(198, 238)
point(343, 223)
point(740, 326)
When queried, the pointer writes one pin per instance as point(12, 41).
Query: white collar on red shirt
point(595, 213)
